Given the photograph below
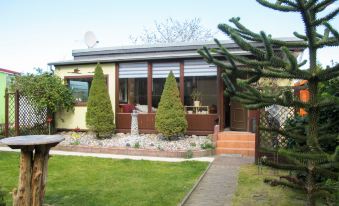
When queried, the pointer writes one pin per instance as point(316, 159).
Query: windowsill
point(132, 113)
point(80, 104)
point(201, 114)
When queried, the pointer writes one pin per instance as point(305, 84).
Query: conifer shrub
point(100, 116)
point(170, 119)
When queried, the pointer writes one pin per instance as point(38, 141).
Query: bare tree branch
point(171, 30)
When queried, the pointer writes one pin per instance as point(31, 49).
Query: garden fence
point(275, 117)
point(22, 118)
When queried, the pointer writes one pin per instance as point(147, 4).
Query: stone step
point(235, 144)
point(241, 151)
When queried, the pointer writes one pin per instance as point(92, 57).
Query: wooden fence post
point(257, 136)
point(17, 107)
point(6, 132)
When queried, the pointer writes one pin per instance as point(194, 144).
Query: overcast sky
point(36, 32)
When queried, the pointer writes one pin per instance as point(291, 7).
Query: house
point(135, 80)
point(5, 80)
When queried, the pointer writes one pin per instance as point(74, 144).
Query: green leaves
point(170, 119)
point(46, 91)
point(99, 115)
point(275, 59)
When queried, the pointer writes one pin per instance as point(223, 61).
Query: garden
point(95, 181)
point(304, 171)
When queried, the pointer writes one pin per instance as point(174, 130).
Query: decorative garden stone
point(33, 167)
point(134, 123)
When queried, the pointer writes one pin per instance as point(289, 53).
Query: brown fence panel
point(277, 118)
point(22, 118)
point(9, 127)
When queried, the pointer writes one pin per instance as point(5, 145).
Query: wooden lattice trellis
point(22, 118)
point(272, 141)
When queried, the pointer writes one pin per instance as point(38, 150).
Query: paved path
point(218, 185)
point(113, 156)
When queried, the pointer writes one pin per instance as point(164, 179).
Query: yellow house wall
point(77, 118)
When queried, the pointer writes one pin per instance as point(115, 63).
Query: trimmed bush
point(100, 116)
point(170, 119)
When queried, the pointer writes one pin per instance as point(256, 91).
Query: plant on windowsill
point(196, 96)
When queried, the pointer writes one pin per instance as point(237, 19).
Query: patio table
point(33, 167)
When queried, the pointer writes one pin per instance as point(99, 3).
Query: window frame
point(181, 77)
point(68, 78)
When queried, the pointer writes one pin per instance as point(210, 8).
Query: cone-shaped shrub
point(99, 116)
point(170, 119)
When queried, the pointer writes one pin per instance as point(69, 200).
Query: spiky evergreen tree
point(99, 115)
point(170, 119)
point(267, 62)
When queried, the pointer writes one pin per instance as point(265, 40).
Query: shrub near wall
point(170, 119)
point(100, 116)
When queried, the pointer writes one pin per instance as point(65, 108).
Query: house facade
point(135, 77)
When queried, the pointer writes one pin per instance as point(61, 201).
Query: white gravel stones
point(145, 141)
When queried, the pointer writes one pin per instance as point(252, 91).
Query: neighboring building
point(5, 80)
point(135, 80)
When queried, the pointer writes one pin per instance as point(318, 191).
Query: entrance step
point(240, 151)
point(231, 142)
point(244, 136)
point(235, 143)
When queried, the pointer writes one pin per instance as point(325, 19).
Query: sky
point(34, 33)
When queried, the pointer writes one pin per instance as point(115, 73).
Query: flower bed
point(144, 144)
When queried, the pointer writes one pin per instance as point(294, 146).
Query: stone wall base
point(135, 151)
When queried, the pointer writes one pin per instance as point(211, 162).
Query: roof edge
point(167, 46)
point(9, 71)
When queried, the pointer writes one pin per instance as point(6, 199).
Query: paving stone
point(220, 182)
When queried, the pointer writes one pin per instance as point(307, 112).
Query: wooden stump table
point(33, 167)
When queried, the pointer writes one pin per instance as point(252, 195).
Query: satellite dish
point(90, 39)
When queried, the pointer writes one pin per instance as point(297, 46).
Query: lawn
point(252, 191)
point(94, 181)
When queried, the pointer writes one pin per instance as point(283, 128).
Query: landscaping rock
point(145, 141)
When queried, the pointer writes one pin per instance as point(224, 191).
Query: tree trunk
point(38, 175)
point(22, 195)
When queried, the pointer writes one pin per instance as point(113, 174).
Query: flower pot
point(196, 103)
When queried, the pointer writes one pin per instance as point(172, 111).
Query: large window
point(80, 88)
point(133, 87)
point(200, 79)
point(200, 92)
point(160, 73)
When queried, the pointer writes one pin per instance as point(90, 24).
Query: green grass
point(252, 191)
point(94, 181)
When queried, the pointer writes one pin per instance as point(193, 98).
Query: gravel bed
point(145, 141)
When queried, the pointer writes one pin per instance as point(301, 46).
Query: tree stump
point(33, 167)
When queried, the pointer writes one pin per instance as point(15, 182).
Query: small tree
point(99, 116)
point(170, 118)
point(319, 168)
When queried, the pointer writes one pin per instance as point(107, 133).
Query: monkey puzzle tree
point(318, 167)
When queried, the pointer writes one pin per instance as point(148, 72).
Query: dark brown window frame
point(181, 83)
point(66, 78)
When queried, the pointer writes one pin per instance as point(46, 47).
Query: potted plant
point(196, 95)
